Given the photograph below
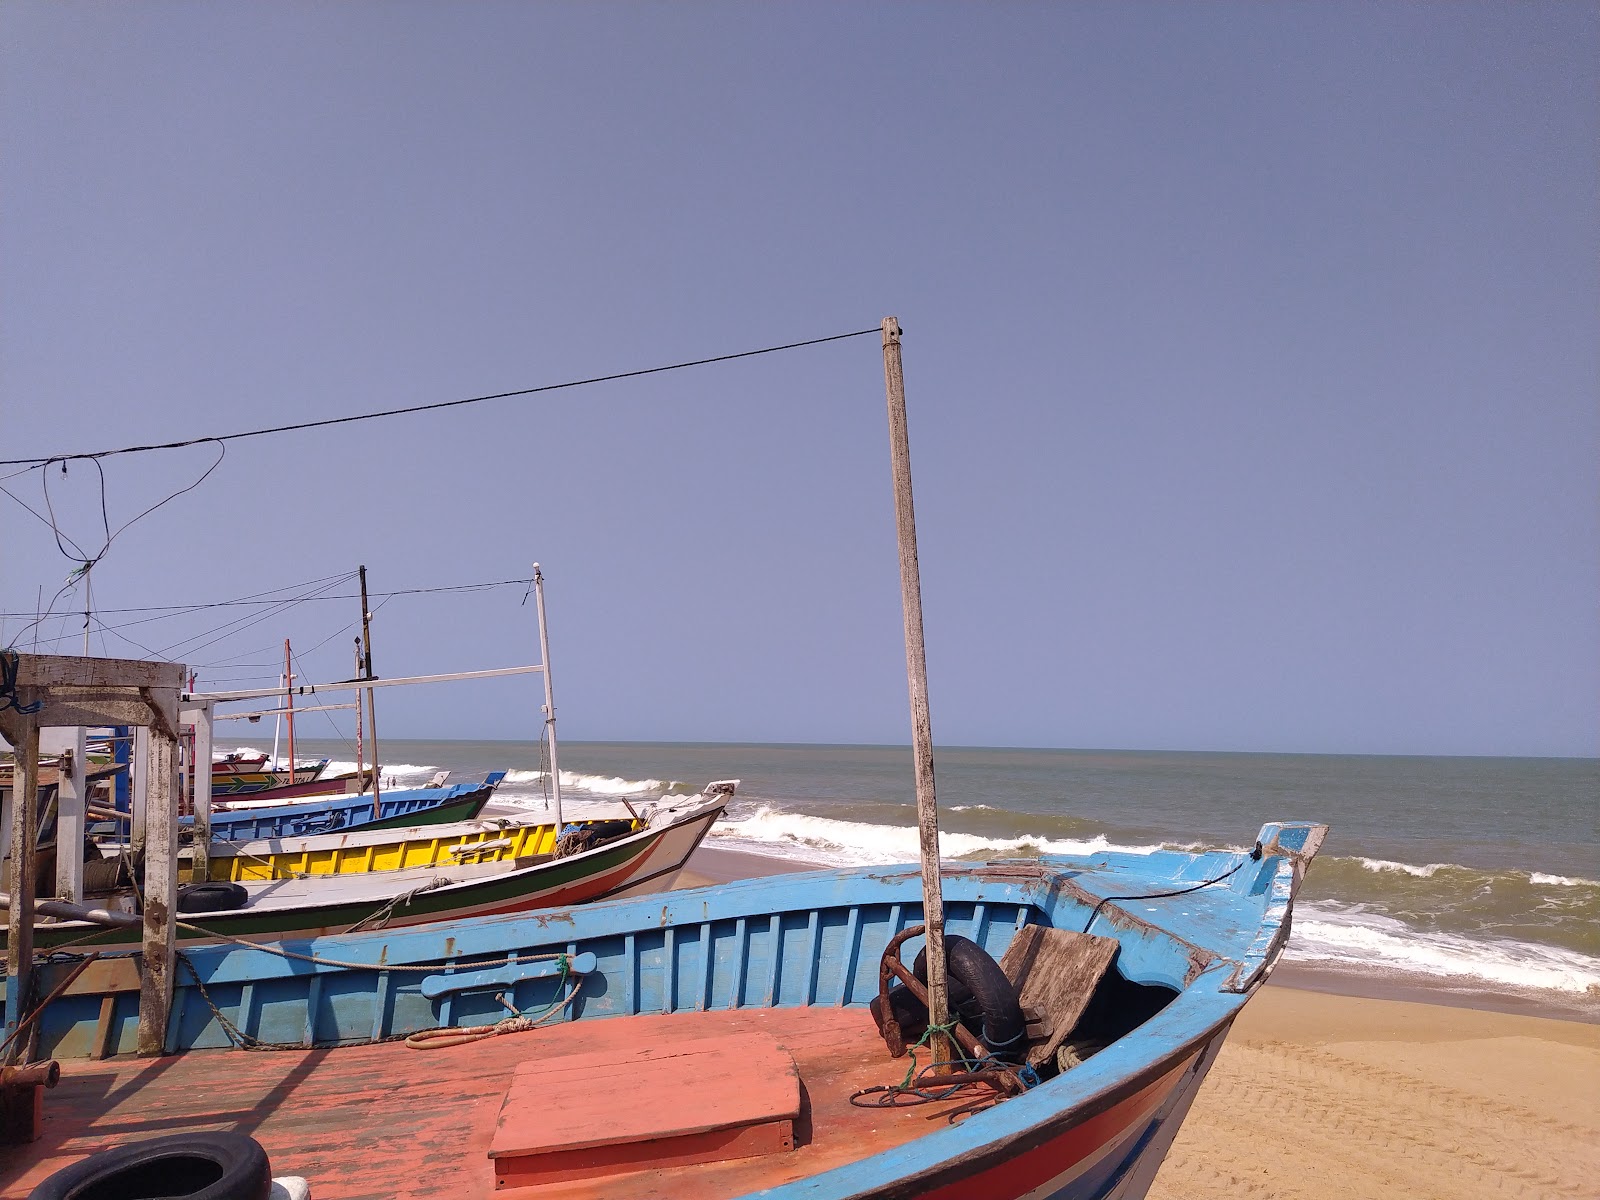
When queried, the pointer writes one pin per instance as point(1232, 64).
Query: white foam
point(1561, 880)
point(1384, 864)
point(1350, 937)
point(772, 831)
point(610, 785)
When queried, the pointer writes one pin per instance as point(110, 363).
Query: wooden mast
point(361, 762)
point(944, 1048)
point(372, 711)
point(288, 681)
point(549, 698)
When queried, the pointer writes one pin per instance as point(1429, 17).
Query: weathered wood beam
point(72, 796)
point(19, 875)
point(160, 893)
point(59, 670)
point(200, 776)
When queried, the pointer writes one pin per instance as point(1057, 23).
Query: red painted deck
point(387, 1121)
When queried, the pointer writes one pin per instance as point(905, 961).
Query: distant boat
point(407, 806)
point(732, 1023)
point(310, 905)
point(243, 783)
point(364, 849)
point(236, 763)
point(346, 783)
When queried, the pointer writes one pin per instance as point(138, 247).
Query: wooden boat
point(705, 1043)
point(396, 809)
point(244, 783)
point(364, 849)
point(346, 783)
point(308, 906)
point(237, 763)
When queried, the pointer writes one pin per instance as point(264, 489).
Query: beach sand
point(1322, 1096)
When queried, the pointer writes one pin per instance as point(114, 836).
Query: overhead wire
point(181, 609)
point(416, 408)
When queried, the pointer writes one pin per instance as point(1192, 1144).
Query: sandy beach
point(1319, 1095)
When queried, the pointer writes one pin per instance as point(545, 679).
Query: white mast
point(549, 696)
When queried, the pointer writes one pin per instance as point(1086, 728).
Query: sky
point(1250, 356)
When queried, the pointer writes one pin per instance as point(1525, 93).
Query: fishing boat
point(245, 783)
point(716, 1042)
point(485, 839)
point(346, 783)
point(762, 1038)
point(390, 810)
point(471, 885)
point(237, 763)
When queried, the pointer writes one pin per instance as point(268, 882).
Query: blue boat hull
point(410, 806)
point(1196, 935)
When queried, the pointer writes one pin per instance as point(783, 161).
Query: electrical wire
point(416, 408)
point(180, 609)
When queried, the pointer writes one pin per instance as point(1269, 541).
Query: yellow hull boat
point(484, 840)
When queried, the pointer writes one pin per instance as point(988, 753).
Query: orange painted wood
point(384, 1122)
point(625, 1104)
point(615, 1161)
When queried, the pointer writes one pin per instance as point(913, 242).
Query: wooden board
point(623, 1105)
point(1056, 971)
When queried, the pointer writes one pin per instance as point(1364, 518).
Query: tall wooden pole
point(944, 1048)
point(372, 709)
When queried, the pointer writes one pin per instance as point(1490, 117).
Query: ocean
point(1473, 875)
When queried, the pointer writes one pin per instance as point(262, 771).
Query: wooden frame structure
point(69, 692)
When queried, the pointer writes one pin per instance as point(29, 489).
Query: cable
point(1253, 856)
point(395, 412)
point(178, 609)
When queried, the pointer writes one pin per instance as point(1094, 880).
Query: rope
point(896, 1095)
point(444, 1037)
point(1253, 856)
point(10, 664)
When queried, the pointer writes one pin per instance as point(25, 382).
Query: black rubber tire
point(982, 996)
point(211, 897)
point(185, 1166)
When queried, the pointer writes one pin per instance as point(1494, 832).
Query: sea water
point(1473, 873)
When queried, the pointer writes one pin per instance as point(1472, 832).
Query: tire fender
point(185, 1166)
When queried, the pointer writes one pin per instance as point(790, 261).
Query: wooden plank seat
point(622, 1105)
point(1056, 972)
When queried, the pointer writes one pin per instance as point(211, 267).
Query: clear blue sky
point(1251, 357)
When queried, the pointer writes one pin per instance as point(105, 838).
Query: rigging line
point(228, 629)
point(43, 520)
point(415, 408)
point(245, 602)
point(326, 581)
point(238, 624)
point(105, 629)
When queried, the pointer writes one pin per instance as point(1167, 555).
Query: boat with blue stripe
point(793, 962)
point(395, 810)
